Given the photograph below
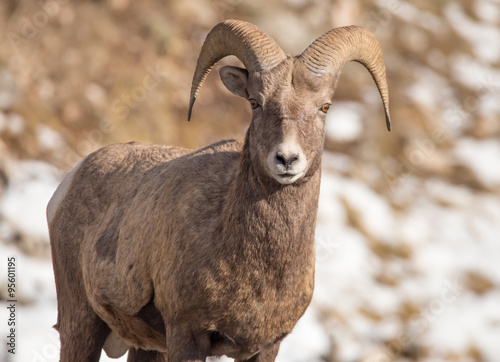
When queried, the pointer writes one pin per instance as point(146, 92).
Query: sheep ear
point(235, 79)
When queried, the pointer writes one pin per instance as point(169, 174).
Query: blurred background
point(408, 235)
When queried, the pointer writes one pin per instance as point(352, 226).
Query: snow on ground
point(480, 156)
point(485, 38)
point(23, 204)
point(343, 122)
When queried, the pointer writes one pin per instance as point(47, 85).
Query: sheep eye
point(253, 103)
point(325, 107)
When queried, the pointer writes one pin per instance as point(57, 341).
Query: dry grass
point(478, 283)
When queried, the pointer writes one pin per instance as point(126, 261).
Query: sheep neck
point(269, 225)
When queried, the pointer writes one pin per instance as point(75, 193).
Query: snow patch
point(484, 38)
point(308, 341)
point(487, 10)
point(343, 122)
point(482, 158)
point(49, 139)
point(24, 202)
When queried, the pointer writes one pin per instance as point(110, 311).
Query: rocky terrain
point(408, 235)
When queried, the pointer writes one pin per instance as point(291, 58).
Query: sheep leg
point(82, 338)
point(81, 331)
point(266, 355)
point(140, 355)
point(185, 346)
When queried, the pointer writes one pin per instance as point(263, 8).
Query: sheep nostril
point(286, 161)
point(281, 160)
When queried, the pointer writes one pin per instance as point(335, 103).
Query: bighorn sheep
point(175, 254)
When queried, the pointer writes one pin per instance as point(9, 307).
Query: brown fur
point(194, 253)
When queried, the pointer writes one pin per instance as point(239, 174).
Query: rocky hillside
point(408, 236)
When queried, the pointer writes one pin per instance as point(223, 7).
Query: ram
point(175, 254)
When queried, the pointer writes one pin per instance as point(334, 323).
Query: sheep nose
point(286, 160)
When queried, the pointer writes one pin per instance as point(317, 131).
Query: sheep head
point(289, 96)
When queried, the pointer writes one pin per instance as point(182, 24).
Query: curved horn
point(332, 50)
point(256, 50)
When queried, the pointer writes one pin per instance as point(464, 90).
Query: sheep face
point(289, 105)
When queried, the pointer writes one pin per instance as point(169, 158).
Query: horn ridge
point(329, 53)
point(252, 46)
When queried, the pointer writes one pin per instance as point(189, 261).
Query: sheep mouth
point(287, 178)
